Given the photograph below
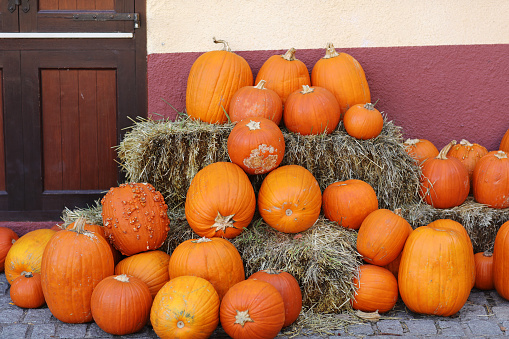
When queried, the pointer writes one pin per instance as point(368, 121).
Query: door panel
point(2, 150)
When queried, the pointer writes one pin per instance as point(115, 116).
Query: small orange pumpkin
point(363, 121)
point(377, 289)
point(469, 154)
point(7, 238)
point(484, 270)
point(491, 180)
point(420, 149)
point(504, 143)
point(26, 290)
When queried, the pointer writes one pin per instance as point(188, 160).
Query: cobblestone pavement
point(485, 315)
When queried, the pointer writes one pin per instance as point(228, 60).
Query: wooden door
point(73, 74)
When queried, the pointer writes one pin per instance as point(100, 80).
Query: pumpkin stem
point(221, 223)
point(289, 55)
point(487, 254)
point(272, 271)
point(397, 211)
point(330, 51)
point(369, 106)
point(242, 317)
point(27, 274)
point(501, 155)
point(443, 152)
point(253, 125)
point(122, 278)
point(307, 89)
point(180, 324)
point(226, 47)
point(79, 225)
point(464, 142)
point(201, 240)
point(261, 84)
point(412, 142)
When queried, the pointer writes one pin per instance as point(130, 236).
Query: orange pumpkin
point(290, 199)
point(256, 144)
point(501, 261)
point(252, 309)
point(377, 289)
point(73, 263)
point(289, 289)
point(312, 110)
point(135, 218)
point(256, 101)
point(444, 180)
point(393, 266)
point(26, 290)
point(151, 267)
point(469, 154)
point(491, 180)
point(186, 307)
point(120, 304)
point(215, 260)
point(213, 79)
point(7, 238)
point(349, 202)
point(484, 270)
point(363, 121)
point(420, 149)
point(341, 74)
point(284, 74)
point(504, 143)
point(220, 201)
point(25, 254)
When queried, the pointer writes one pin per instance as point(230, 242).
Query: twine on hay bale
point(168, 154)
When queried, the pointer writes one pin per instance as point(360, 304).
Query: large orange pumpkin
point(213, 79)
point(7, 238)
point(341, 74)
point(187, 307)
point(284, 74)
point(135, 218)
point(501, 261)
point(26, 290)
point(349, 202)
point(73, 263)
point(311, 110)
point(484, 270)
point(504, 143)
point(444, 180)
point(491, 180)
point(215, 260)
point(256, 101)
point(252, 309)
point(256, 144)
point(469, 154)
point(420, 149)
point(290, 199)
point(220, 201)
point(377, 289)
point(363, 121)
point(428, 283)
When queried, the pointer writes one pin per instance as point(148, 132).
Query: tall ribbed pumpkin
point(491, 180)
point(434, 276)
point(213, 79)
point(341, 74)
point(220, 201)
point(73, 263)
point(501, 261)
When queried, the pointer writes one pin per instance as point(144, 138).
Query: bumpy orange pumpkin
point(491, 180)
point(213, 79)
point(256, 101)
point(469, 154)
point(341, 74)
point(504, 143)
point(289, 289)
point(7, 238)
point(349, 202)
point(377, 289)
point(311, 110)
point(420, 149)
point(120, 304)
point(151, 267)
point(256, 144)
point(484, 270)
point(284, 74)
point(215, 260)
point(186, 307)
point(73, 263)
point(444, 180)
point(501, 261)
point(135, 218)
point(363, 121)
point(220, 201)
point(252, 309)
point(290, 199)
point(26, 290)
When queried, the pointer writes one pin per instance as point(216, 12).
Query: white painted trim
point(40, 35)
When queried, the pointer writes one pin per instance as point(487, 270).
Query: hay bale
point(480, 221)
point(168, 154)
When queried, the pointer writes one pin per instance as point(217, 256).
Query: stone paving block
point(11, 315)
point(38, 315)
point(484, 328)
point(360, 329)
point(14, 331)
point(499, 301)
point(4, 285)
point(421, 327)
point(95, 331)
point(472, 312)
point(477, 297)
point(69, 331)
point(389, 327)
point(43, 331)
point(505, 327)
point(145, 332)
point(501, 312)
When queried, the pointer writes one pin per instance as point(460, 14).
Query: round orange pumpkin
point(26, 290)
point(377, 289)
point(252, 309)
point(420, 149)
point(215, 260)
point(220, 201)
point(120, 304)
point(7, 238)
point(311, 110)
point(256, 101)
point(187, 307)
point(341, 74)
point(349, 202)
point(135, 218)
point(469, 154)
point(290, 199)
point(289, 289)
point(491, 180)
point(501, 261)
point(484, 270)
point(284, 74)
point(363, 121)
point(213, 79)
point(256, 144)
point(444, 180)
point(504, 143)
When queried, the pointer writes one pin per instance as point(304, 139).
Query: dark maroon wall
point(437, 93)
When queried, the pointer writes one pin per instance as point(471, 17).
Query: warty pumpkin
point(491, 180)
point(484, 270)
point(26, 290)
point(376, 289)
point(469, 154)
point(363, 121)
point(213, 79)
point(420, 149)
point(7, 238)
point(501, 261)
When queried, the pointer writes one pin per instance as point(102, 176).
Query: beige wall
point(188, 26)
